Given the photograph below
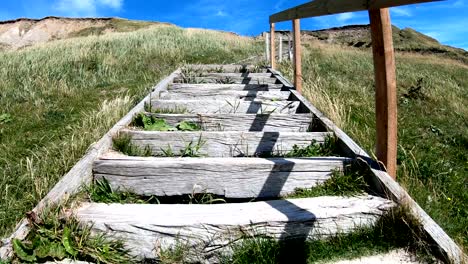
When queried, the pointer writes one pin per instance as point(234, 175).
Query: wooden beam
point(224, 143)
point(330, 7)
point(244, 122)
point(272, 46)
point(267, 46)
point(280, 49)
point(229, 177)
point(226, 107)
point(385, 88)
point(297, 55)
point(207, 229)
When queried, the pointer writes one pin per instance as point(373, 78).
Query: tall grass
point(62, 96)
point(433, 134)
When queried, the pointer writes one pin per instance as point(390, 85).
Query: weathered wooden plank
point(244, 122)
point(384, 183)
point(81, 172)
point(227, 107)
point(297, 55)
point(234, 68)
point(385, 89)
point(237, 75)
point(224, 144)
point(273, 46)
point(227, 80)
point(229, 177)
point(329, 7)
point(206, 228)
point(206, 94)
point(224, 87)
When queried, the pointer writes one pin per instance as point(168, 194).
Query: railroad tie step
point(207, 94)
point(224, 87)
point(226, 106)
point(244, 122)
point(148, 229)
point(227, 80)
point(224, 144)
point(226, 177)
point(216, 68)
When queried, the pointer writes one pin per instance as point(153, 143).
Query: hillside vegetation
point(404, 40)
point(433, 121)
point(58, 98)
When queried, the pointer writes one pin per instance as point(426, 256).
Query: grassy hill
point(58, 98)
point(405, 40)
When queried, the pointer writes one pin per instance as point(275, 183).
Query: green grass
point(350, 182)
point(123, 144)
point(433, 114)
point(62, 96)
point(151, 123)
point(55, 237)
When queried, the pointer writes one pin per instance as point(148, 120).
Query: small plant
point(191, 150)
point(151, 123)
point(351, 182)
point(102, 192)
point(226, 80)
point(123, 143)
point(328, 148)
point(5, 118)
point(54, 237)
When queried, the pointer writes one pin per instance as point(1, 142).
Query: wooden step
point(224, 87)
point(206, 94)
point(229, 177)
point(225, 68)
point(227, 80)
point(244, 122)
point(227, 107)
point(398, 256)
point(224, 144)
point(238, 75)
point(207, 228)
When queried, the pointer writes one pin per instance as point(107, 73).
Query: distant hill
point(15, 34)
point(405, 40)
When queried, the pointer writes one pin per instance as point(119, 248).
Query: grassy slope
point(405, 40)
point(62, 96)
point(433, 134)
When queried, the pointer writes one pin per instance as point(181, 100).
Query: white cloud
point(86, 7)
point(400, 11)
point(344, 17)
point(221, 14)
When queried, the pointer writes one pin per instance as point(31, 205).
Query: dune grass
point(433, 121)
point(58, 98)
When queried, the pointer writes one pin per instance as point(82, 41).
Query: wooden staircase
point(249, 118)
point(243, 116)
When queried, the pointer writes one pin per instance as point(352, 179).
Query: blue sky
point(446, 21)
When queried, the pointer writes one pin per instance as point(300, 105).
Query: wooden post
point(385, 88)
point(272, 46)
point(297, 55)
point(280, 49)
point(289, 47)
point(267, 46)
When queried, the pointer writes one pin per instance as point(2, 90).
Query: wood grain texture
point(227, 80)
point(385, 89)
point(212, 94)
point(383, 182)
point(81, 172)
point(237, 75)
point(234, 68)
point(227, 107)
point(229, 177)
point(273, 46)
point(207, 228)
point(297, 55)
point(244, 122)
point(224, 87)
point(329, 7)
point(224, 144)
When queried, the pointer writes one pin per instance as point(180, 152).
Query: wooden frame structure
point(384, 61)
